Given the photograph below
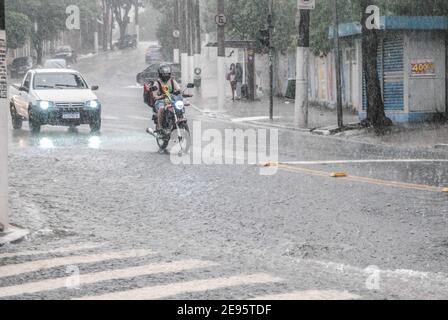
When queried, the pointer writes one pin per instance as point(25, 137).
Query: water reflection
point(56, 139)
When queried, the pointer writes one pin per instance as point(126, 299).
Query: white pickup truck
point(59, 97)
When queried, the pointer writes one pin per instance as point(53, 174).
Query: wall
point(426, 94)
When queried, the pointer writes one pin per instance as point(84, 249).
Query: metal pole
point(176, 52)
point(137, 22)
point(198, 48)
point(302, 65)
point(4, 204)
point(338, 66)
point(183, 44)
point(191, 36)
point(271, 59)
point(221, 58)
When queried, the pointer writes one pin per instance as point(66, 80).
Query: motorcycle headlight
point(94, 104)
point(180, 105)
point(44, 105)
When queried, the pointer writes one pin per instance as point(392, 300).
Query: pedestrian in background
point(231, 77)
point(239, 80)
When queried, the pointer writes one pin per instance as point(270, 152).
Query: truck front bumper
point(65, 116)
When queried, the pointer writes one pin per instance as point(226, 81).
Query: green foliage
point(165, 28)
point(42, 19)
point(18, 29)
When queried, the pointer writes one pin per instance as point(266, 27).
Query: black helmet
point(165, 73)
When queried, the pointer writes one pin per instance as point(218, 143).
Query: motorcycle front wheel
point(178, 143)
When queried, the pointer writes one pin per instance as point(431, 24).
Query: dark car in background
point(20, 66)
point(153, 54)
point(66, 53)
point(151, 73)
point(128, 41)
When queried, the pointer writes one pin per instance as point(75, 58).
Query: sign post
point(302, 63)
point(4, 206)
point(221, 21)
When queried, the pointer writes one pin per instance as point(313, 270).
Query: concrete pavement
point(110, 217)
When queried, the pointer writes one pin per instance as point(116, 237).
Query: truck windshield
point(61, 81)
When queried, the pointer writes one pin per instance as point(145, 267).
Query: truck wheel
point(95, 124)
point(17, 121)
point(34, 124)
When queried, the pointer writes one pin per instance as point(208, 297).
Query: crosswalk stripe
point(58, 250)
point(59, 283)
point(312, 295)
point(164, 291)
point(15, 269)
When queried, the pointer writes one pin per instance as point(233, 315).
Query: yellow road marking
point(394, 184)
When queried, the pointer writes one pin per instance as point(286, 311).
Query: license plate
point(74, 115)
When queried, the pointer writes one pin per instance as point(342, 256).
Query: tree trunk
point(38, 45)
point(376, 115)
point(105, 24)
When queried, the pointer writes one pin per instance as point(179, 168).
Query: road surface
point(111, 218)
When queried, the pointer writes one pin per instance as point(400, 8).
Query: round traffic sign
point(198, 71)
point(176, 33)
point(221, 19)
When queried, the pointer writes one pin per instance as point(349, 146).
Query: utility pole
point(137, 20)
point(271, 59)
point(4, 204)
point(338, 65)
point(184, 40)
point(176, 33)
point(303, 54)
point(198, 48)
point(191, 35)
point(221, 22)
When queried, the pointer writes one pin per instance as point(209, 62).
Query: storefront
point(412, 65)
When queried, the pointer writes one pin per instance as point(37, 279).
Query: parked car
point(20, 66)
point(66, 53)
point(128, 41)
point(59, 97)
point(55, 64)
point(153, 54)
point(152, 72)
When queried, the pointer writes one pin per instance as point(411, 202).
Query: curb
point(13, 234)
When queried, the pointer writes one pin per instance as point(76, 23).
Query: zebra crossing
point(38, 262)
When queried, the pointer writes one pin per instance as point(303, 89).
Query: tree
point(18, 30)
point(376, 114)
point(48, 18)
point(121, 10)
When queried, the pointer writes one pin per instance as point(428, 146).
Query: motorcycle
point(174, 125)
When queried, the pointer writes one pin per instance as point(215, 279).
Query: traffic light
point(263, 38)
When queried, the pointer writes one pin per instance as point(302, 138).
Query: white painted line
point(15, 269)
point(312, 295)
point(406, 275)
point(139, 118)
point(164, 291)
point(59, 283)
point(252, 119)
point(364, 161)
point(135, 86)
point(110, 118)
point(58, 250)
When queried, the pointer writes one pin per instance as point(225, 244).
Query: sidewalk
point(257, 112)
point(432, 136)
point(416, 135)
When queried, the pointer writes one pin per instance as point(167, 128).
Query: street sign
point(176, 33)
point(307, 4)
point(221, 19)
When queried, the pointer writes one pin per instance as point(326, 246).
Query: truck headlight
point(44, 105)
point(94, 104)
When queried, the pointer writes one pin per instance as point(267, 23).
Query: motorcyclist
point(165, 82)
